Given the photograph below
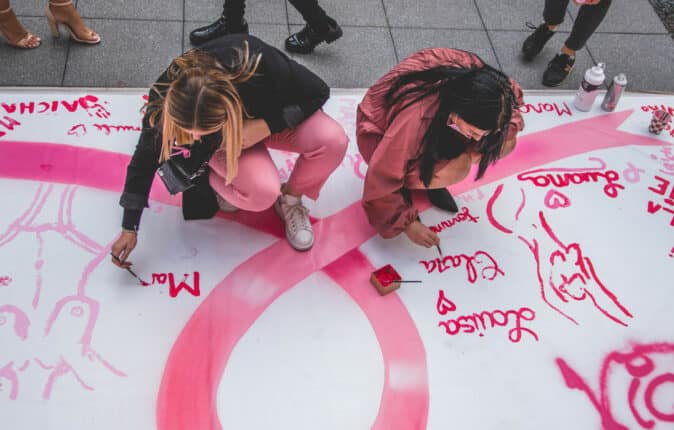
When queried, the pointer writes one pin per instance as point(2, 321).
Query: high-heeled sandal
point(72, 22)
point(9, 26)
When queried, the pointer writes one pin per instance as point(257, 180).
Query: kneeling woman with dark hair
point(213, 114)
point(423, 125)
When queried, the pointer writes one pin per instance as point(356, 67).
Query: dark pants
point(587, 21)
point(312, 13)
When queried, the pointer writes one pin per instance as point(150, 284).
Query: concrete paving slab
point(155, 10)
point(29, 7)
point(408, 41)
point(646, 59)
point(273, 34)
point(634, 16)
point(513, 14)
point(433, 14)
point(347, 12)
point(356, 60)
point(260, 11)
point(41, 66)
point(529, 75)
point(133, 54)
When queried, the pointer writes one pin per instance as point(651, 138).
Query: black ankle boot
point(536, 41)
point(305, 40)
point(217, 29)
point(442, 199)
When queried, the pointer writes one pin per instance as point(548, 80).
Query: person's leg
point(13, 31)
point(445, 173)
point(553, 15)
point(321, 143)
point(64, 12)
point(320, 28)
point(231, 21)
point(256, 186)
point(588, 19)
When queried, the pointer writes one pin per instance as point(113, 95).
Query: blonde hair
point(202, 96)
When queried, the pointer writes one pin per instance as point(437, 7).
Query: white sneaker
point(224, 205)
point(299, 233)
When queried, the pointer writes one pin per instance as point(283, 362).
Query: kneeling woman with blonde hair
point(214, 113)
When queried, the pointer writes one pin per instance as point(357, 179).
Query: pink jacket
point(392, 145)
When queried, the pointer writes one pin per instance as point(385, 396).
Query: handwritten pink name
point(8, 123)
point(661, 188)
point(89, 103)
point(161, 278)
point(5, 281)
point(463, 216)
point(480, 322)
point(546, 107)
point(488, 268)
point(563, 177)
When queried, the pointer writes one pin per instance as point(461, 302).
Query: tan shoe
point(65, 13)
point(15, 34)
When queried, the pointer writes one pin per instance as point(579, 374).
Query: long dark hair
point(480, 95)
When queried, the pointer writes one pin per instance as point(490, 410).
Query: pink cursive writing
point(464, 215)
point(546, 107)
point(161, 278)
point(480, 322)
point(480, 263)
point(562, 177)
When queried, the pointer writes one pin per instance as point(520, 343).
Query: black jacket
point(282, 92)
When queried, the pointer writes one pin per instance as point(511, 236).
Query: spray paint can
point(615, 90)
point(589, 88)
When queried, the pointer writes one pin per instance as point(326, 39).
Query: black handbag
point(174, 177)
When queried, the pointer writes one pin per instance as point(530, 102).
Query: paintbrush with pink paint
point(128, 269)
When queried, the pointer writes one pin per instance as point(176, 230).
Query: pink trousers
point(321, 143)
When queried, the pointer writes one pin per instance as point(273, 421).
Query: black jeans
point(588, 19)
point(312, 13)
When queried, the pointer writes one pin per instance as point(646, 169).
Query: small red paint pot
point(659, 121)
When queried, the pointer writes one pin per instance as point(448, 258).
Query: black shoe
point(558, 69)
point(442, 199)
point(534, 43)
point(305, 40)
point(217, 29)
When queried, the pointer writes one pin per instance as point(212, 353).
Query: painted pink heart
point(555, 200)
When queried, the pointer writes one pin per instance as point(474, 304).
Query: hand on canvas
point(122, 247)
point(421, 235)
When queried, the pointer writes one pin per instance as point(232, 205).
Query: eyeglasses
point(466, 129)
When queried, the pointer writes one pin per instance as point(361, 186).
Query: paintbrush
point(128, 269)
point(436, 246)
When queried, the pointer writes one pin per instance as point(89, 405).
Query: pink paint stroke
point(522, 203)
point(38, 268)
point(9, 374)
point(490, 211)
point(532, 150)
point(398, 338)
point(21, 321)
point(602, 402)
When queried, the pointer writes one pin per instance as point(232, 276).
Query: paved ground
point(141, 37)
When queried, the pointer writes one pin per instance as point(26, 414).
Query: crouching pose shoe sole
point(224, 205)
point(299, 233)
point(442, 199)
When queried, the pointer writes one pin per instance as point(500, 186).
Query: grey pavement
point(141, 37)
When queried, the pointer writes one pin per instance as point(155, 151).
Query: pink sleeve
point(516, 123)
point(386, 209)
